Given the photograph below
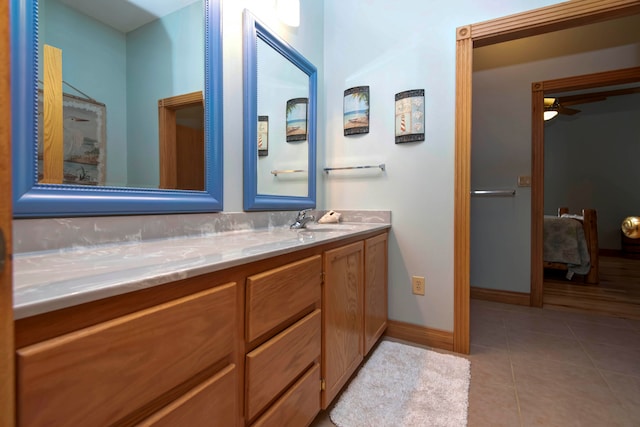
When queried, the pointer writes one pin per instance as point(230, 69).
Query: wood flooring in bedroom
point(617, 294)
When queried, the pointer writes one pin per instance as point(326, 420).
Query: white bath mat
point(406, 386)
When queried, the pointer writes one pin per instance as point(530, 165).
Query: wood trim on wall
point(538, 21)
point(551, 18)
point(435, 338)
point(537, 187)
point(52, 116)
point(593, 80)
point(462, 185)
point(7, 366)
point(497, 295)
point(611, 252)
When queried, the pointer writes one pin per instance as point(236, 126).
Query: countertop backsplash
point(54, 234)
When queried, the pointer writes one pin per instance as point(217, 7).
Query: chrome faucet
point(302, 219)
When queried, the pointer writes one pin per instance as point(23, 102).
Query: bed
point(571, 243)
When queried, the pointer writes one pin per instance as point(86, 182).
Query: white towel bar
point(381, 166)
point(493, 193)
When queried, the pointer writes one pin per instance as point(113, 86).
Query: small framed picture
point(263, 135)
point(297, 119)
point(84, 140)
point(356, 110)
point(410, 116)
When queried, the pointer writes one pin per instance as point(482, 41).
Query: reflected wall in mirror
point(116, 97)
point(277, 78)
point(278, 82)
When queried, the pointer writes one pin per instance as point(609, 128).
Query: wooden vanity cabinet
point(354, 305)
point(168, 364)
point(283, 335)
point(268, 343)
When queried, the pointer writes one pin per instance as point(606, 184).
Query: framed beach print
point(263, 135)
point(297, 119)
point(84, 136)
point(356, 110)
point(410, 116)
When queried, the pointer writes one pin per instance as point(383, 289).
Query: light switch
point(524, 181)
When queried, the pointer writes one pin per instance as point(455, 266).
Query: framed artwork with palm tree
point(356, 110)
point(297, 119)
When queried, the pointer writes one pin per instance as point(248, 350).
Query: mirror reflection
point(120, 94)
point(279, 122)
point(282, 99)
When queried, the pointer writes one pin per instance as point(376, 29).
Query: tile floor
point(545, 367)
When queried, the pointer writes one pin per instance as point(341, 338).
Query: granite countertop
point(53, 279)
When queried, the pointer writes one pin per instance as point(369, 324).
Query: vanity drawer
point(211, 403)
point(299, 405)
point(100, 374)
point(276, 295)
point(277, 363)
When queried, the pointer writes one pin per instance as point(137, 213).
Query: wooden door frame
point(534, 22)
point(7, 351)
point(167, 108)
point(538, 90)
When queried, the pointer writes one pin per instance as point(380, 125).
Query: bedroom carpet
point(401, 385)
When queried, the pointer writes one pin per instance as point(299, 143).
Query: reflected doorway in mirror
point(181, 134)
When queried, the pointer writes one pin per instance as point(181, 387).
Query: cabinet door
point(342, 300)
point(375, 290)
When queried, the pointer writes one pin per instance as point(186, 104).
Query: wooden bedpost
point(591, 234)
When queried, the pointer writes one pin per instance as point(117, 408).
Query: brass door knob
point(631, 227)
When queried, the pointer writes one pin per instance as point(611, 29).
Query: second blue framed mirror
point(280, 119)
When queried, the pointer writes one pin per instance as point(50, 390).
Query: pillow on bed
point(580, 217)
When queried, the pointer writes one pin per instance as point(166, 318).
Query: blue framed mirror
point(76, 153)
point(280, 97)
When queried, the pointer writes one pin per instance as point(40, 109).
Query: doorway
point(609, 301)
point(181, 134)
point(538, 21)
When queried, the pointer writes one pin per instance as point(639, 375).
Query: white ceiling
point(127, 15)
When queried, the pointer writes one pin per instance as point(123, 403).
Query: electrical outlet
point(417, 284)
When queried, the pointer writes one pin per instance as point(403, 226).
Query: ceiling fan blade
point(567, 111)
point(583, 100)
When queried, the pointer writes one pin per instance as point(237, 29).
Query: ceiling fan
point(560, 105)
